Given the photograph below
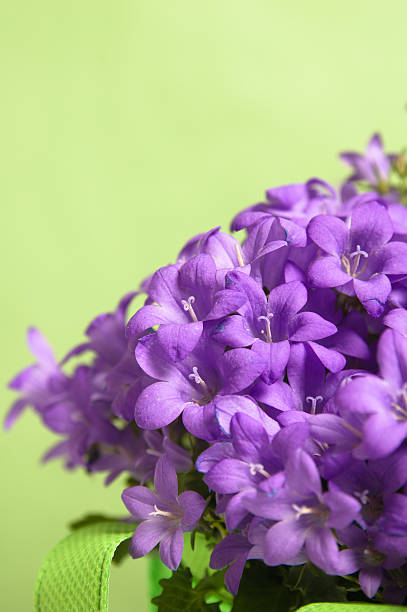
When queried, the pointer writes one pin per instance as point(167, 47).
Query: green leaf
point(121, 552)
point(75, 575)
point(178, 594)
point(197, 557)
point(262, 588)
point(349, 607)
point(314, 584)
point(91, 519)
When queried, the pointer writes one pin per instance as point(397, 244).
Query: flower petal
point(371, 227)
point(158, 405)
point(171, 548)
point(178, 341)
point(329, 233)
point(327, 272)
point(275, 356)
point(139, 501)
point(373, 293)
point(147, 536)
point(310, 326)
point(241, 367)
point(165, 480)
point(284, 541)
point(193, 505)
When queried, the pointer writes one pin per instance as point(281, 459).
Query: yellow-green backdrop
point(126, 127)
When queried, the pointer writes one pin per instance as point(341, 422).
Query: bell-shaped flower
point(185, 296)
point(194, 386)
point(107, 337)
point(271, 325)
point(305, 517)
point(224, 248)
point(380, 404)
point(165, 515)
point(358, 257)
point(296, 203)
point(41, 384)
point(243, 468)
point(373, 167)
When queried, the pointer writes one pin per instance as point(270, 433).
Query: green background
point(126, 128)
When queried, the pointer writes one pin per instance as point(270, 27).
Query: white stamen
point(196, 378)
point(363, 496)
point(266, 319)
point(258, 468)
point(158, 512)
point(314, 401)
point(300, 510)
point(347, 380)
point(359, 252)
point(187, 304)
point(239, 254)
point(152, 451)
point(357, 255)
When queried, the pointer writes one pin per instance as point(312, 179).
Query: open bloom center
point(267, 323)
point(165, 514)
point(399, 404)
point(188, 307)
point(316, 515)
point(351, 263)
point(207, 391)
point(258, 468)
point(314, 401)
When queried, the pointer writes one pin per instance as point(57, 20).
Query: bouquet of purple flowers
point(258, 399)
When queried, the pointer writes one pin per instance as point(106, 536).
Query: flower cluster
point(270, 374)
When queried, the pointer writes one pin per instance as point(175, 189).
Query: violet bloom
point(41, 384)
point(138, 455)
point(271, 325)
point(358, 258)
point(305, 517)
point(106, 335)
point(251, 462)
point(165, 515)
point(224, 248)
point(83, 416)
point(379, 405)
point(371, 561)
point(186, 296)
point(194, 386)
point(234, 550)
point(310, 389)
point(291, 203)
point(374, 166)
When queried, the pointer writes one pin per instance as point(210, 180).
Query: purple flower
point(165, 515)
point(41, 384)
point(270, 325)
point(371, 561)
point(242, 469)
point(106, 335)
point(305, 516)
point(291, 203)
point(379, 405)
point(373, 167)
point(225, 250)
point(358, 258)
point(185, 296)
point(234, 550)
point(193, 386)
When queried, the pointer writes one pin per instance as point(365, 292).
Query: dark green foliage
point(90, 519)
point(262, 589)
point(313, 585)
point(179, 594)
